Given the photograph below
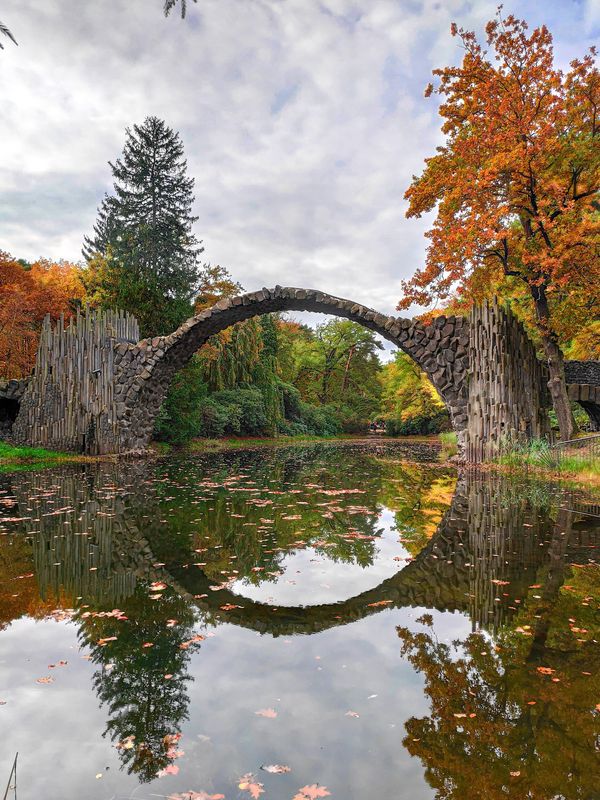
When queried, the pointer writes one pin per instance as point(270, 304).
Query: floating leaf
point(276, 769)
point(311, 792)
point(248, 784)
point(269, 713)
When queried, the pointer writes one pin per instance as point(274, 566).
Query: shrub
point(418, 425)
point(179, 418)
point(251, 415)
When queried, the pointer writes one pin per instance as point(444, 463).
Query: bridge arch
point(147, 368)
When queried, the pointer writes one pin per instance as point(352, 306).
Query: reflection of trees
point(514, 716)
point(146, 709)
point(419, 497)
point(252, 529)
point(88, 547)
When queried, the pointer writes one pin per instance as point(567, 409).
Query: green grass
point(537, 454)
point(449, 444)
point(29, 457)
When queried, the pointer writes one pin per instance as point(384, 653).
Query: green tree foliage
point(337, 365)
point(180, 416)
point(409, 402)
point(143, 255)
point(145, 709)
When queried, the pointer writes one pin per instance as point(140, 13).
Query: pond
point(353, 621)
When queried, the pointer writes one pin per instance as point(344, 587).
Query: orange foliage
point(19, 592)
point(27, 294)
point(516, 183)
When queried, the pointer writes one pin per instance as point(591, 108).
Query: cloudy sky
point(302, 120)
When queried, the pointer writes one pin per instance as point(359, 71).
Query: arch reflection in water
point(101, 537)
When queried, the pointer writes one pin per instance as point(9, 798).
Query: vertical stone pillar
point(70, 402)
point(508, 398)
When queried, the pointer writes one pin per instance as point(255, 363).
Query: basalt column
point(72, 398)
point(508, 397)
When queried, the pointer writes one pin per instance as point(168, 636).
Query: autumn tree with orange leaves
point(27, 293)
point(516, 184)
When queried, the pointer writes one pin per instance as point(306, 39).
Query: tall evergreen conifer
point(148, 261)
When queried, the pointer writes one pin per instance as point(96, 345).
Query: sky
point(303, 122)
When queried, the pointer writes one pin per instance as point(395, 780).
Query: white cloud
point(303, 122)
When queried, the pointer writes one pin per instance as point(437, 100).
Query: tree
point(516, 183)
point(27, 293)
point(143, 256)
point(407, 395)
point(170, 4)
point(4, 30)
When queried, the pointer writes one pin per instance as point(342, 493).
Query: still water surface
point(378, 625)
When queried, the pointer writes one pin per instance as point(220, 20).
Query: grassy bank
point(14, 458)
point(536, 456)
point(27, 458)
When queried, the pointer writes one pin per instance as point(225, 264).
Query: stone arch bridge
point(97, 389)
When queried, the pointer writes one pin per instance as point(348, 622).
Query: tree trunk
point(556, 366)
point(347, 370)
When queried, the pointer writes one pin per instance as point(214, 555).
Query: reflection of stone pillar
point(507, 543)
point(508, 398)
point(86, 542)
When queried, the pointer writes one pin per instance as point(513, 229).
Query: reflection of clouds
point(311, 734)
point(319, 579)
point(57, 728)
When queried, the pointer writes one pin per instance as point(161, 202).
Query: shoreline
point(16, 459)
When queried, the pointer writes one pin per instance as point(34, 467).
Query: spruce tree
point(144, 233)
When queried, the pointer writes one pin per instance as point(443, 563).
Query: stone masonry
point(97, 389)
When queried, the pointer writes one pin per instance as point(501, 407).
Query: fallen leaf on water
point(247, 783)
point(352, 714)
point(379, 603)
point(269, 713)
point(48, 679)
point(545, 670)
point(158, 586)
point(196, 796)
point(311, 792)
point(276, 769)
point(127, 743)
point(196, 638)
point(171, 769)
point(515, 774)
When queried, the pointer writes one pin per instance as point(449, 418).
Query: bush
point(217, 419)
point(179, 418)
point(417, 426)
point(250, 417)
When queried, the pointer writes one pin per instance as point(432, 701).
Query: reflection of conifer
point(131, 681)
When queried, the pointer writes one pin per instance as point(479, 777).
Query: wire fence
point(563, 454)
